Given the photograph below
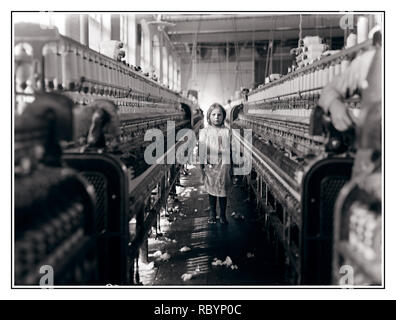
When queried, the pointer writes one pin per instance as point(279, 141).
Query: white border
point(171, 293)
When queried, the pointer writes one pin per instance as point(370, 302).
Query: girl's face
point(216, 117)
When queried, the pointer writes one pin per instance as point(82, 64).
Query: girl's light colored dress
point(216, 141)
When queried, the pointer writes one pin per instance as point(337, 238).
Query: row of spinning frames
point(80, 174)
point(320, 218)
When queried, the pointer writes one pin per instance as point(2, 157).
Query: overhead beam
point(177, 33)
point(207, 17)
point(177, 18)
point(260, 22)
point(247, 35)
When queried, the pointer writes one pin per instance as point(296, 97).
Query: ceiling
point(185, 30)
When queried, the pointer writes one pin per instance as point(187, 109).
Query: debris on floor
point(185, 231)
point(164, 257)
point(155, 241)
point(159, 256)
point(189, 275)
point(217, 262)
point(168, 221)
point(170, 240)
point(227, 262)
point(186, 276)
point(146, 266)
point(185, 249)
point(237, 216)
point(156, 254)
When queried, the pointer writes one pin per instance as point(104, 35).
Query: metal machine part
point(300, 164)
point(110, 106)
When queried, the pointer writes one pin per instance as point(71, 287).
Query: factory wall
point(217, 79)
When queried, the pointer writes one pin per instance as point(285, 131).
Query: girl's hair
point(211, 108)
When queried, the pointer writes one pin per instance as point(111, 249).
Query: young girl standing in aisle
point(215, 145)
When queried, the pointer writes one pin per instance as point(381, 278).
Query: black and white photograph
point(197, 149)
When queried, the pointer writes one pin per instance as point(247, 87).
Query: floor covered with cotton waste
point(185, 250)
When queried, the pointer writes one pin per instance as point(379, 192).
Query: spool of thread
point(312, 82)
point(131, 79)
point(325, 76)
point(85, 62)
point(127, 81)
point(112, 73)
point(23, 70)
point(344, 65)
point(320, 77)
point(80, 64)
point(143, 89)
point(307, 81)
point(60, 69)
point(88, 66)
point(69, 69)
point(126, 77)
point(117, 75)
point(120, 76)
point(293, 85)
point(50, 68)
point(362, 29)
point(316, 78)
point(107, 72)
point(377, 19)
point(102, 71)
point(303, 82)
point(351, 41)
point(337, 69)
point(300, 82)
point(135, 82)
point(94, 67)
point(331, 72)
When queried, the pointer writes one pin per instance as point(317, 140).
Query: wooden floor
point(251, 260)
